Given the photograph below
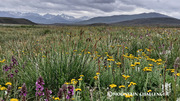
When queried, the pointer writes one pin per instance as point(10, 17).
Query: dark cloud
point(92, 7)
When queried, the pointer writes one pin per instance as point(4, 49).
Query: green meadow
point(89, 63)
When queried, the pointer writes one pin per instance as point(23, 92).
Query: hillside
point(120, 18)
point(7, 20)
point(151, 21)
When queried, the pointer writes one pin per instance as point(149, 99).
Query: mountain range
point(43, 19)
point(136, 19)
point(120, 18)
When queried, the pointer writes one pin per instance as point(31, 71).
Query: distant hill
point(151, 21)
point(7, 20)
point(120, 18)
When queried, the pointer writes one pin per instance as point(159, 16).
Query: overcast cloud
point(92, 8)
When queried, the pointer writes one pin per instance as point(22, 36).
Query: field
point(89, 63)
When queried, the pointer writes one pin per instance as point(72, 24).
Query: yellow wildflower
point(81, 76)
point(159, 63)
point(118, 63)
point(132, 65)
point(122, 86)
point(149, 91)
point(147, 69)
point(73, 98)
point(14, 99)
point(129, 85)
point(126, 47)
point(112, 85)
point(159, 60)
point(3, 61)
point(126, 76)
point(95, 77)
point(110, 59)
point(56, 98)
point(3, 88)
point(127, 95)
point(78, 89)
point(73, 81)
point(109, 66)
point(118, 45)
point(97, 73)
point(8, 83)
point(137, 63)
point(80, 79)
point(66, 83)
point(19, 87)
point(43, 56)
point(75, 50)
point(151, 65)
point(132, 83)
point(178, 74)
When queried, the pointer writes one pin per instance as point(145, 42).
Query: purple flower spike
point(48, 93)
point(70, 92)
point(23, 90)
point(15, 62)
point(10, 75)
point(39, 87)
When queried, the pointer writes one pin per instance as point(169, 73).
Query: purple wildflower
point(16, 71)
point(6, 68)
point(70, 92)
point(60, 93)
point(15, 62)
point(39, 87)
point(10, 75)
point(48, 93)
point(23, 90)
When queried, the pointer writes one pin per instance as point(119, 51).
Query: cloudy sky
point(92, 8)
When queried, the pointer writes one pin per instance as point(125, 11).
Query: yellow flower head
point(14, 99)
point(3, 88)
point(80, 79)
point(178, 74)
point(151, 65)
point(97, 73)
point(132, 65)
point(149, 91)
point(118, 63)
point(56, 98)
point(95, 77)
point(126, 76)
point(78, 89)
point(112, 85)
point(147, 69)
point(66, 83)
point(122, 86)
point(3, 61)
point(8, 83)
point(19, 87)
point(81, 76)
point(132, 83)
point(137, 63)
point(73, 81)
point(127, 95)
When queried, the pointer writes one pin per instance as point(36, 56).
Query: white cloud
point(92, 8)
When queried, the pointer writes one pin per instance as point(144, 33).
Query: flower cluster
point(70, 92)
point(39, 87)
